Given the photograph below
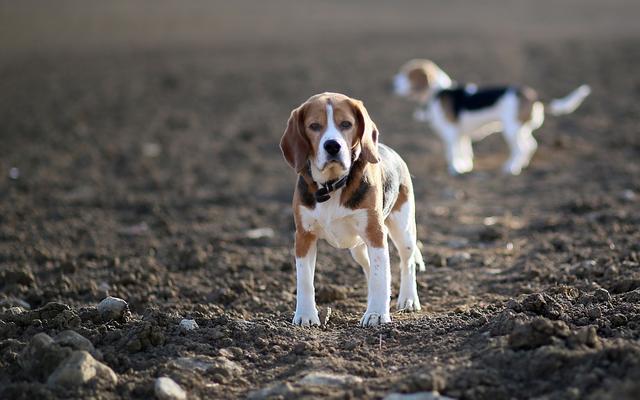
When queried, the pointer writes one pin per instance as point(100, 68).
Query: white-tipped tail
point(569, 103)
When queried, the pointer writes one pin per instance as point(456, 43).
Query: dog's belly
point(341, 234)
point(477, 122)
point(339, 226)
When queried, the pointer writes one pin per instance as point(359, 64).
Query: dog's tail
point(570, 102)
point(417, 257)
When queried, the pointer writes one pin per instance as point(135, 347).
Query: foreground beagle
point(461, 114)
point(351, 191)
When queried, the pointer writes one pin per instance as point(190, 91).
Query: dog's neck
point(324, 187)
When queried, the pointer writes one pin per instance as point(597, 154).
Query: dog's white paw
point(373, 319)
point(306, 318)
point(511, 168)
point(408, 303)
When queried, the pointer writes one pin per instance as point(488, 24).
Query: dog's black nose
point(332, 147)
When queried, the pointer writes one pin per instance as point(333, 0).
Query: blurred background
point(139, 158)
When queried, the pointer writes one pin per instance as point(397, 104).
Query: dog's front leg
point(379, 277)
point(306, 250)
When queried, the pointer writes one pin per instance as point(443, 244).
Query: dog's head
point(418, 78)
point(331, 131)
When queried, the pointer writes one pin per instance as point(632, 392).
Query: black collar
point(322, 194)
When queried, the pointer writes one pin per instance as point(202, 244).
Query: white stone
point(259, 233)
point(112, 307)
point(417, 396)
point(79, 368)
point(329, 379)
point(167, 389)
point(189, 324)
point(14, 173)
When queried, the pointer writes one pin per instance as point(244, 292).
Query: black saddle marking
point(469, 98)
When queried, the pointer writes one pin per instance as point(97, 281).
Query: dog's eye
point(315, 127)
point(345, 124)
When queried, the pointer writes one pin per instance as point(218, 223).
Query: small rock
point(74, 340)
point(602, 295)
point(151, 149)
point(14, 173)
point(80, 368)
point(226, 368)
point(329, 379)
point(214, 365)
point(417, 396)
point(199, 364)
point(278, 390)
point(628, 195)
point(259, 233)
point(135, 230)
point(189, 324)
point(42, 356)
point(112, 308)
point(167, 389)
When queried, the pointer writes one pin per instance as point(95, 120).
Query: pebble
point(259, 233)
point(14, 173)
point(42, 356)
point(329, 379)
point(167, 389)
point(112, 307)
point(79, 368)
point(189, 324)
point(151, 149)
point(628, 195)
point(417, 396)
point(74, 340)
point(602, 295)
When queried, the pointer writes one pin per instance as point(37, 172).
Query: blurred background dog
point(463, 113)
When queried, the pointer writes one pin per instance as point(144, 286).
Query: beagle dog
point(461, 114)
point(352, 191)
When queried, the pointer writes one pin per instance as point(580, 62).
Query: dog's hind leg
point(359, 254)
point(522, 145)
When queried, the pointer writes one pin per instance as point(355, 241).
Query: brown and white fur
point(516, 111)
point(330, 137)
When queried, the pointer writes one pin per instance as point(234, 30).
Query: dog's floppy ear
point(294, 145)
point(424, 74)
point(367, 133)
point(420, 78)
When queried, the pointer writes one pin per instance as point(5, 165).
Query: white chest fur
point(341, 227)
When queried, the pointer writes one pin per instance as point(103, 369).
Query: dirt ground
point(139, 154)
